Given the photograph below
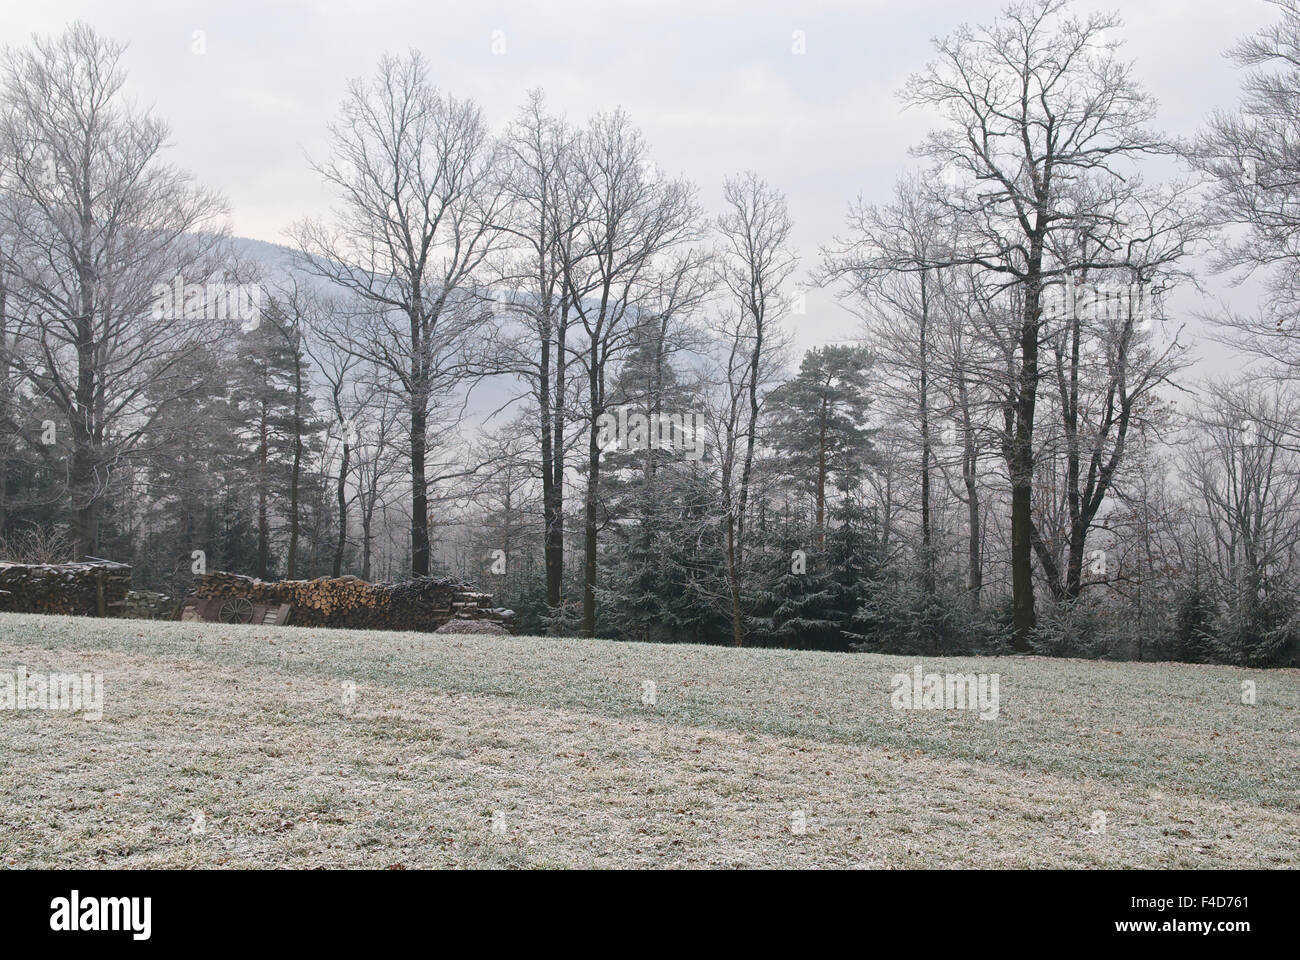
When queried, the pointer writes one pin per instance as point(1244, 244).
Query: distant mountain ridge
point(279, 260)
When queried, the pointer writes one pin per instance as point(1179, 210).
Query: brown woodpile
point(90, 588)
point(148, 605)
point(424, 603)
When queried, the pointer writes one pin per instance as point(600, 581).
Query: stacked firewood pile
point(424, 603)
point(92, 587)
point(148, 605)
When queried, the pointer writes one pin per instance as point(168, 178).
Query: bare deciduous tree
point(623, 275)
point(891, 263)
point(754, 265)
point(544, 215)
point(1251, 159)
point(419, 207)
point(1244, 473)
point(93, 222)
point(1034, 102)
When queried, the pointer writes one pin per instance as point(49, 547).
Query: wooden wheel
point(236, 610)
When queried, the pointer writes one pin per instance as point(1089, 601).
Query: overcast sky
point(716, 87)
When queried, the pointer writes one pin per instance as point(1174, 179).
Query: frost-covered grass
point(243, 746)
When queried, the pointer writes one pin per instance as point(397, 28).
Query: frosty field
point(237, 746)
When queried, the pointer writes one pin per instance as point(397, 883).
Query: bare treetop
point(1035, 103)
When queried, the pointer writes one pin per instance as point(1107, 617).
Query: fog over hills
point(490, 401)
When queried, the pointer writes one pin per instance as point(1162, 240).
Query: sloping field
point(227, 746)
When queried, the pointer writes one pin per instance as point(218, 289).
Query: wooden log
point(424, 603)
point(91, 587)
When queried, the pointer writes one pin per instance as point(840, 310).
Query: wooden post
point(99, 593)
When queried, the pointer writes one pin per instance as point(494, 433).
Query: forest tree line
point(1007, 453)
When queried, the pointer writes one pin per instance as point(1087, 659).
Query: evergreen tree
point(653, 500)
point(819, 422)
point(272, 414)
point(193, 484)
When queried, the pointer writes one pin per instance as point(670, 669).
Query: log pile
point(90, 588)
point(424, 603)
point(148, 605)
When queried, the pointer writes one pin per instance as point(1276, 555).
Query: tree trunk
point(548, 473)
point(343, 509)
point(969, 466)
point(754, 363)
point(927, 547)
point(419, 497)
point(419, 397)
point(1021, 467)
point(5, 401)
point(821, 477)
point(733, 583)
point(555, 545)
point(975, 574)
point(551, 397)
point(263, 520)
point(367, 525)
point(295, 472)
point(558, 410)
point(589, 531)
point(82, 475)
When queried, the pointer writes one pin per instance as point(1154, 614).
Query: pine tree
point(193, 485)
point(272, 414)
point(653, 498)
point(819, 422)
